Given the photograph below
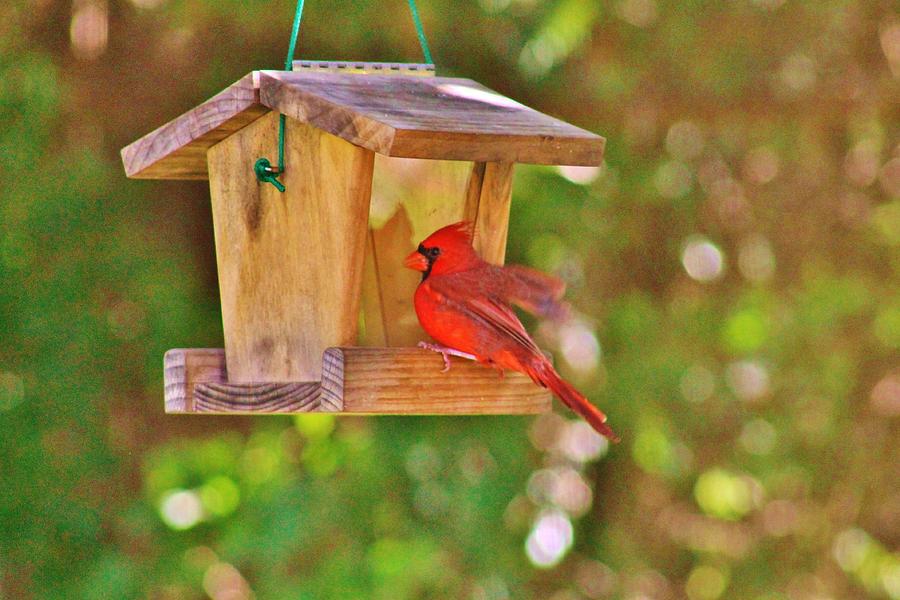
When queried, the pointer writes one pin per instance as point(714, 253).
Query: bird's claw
point(445, 353)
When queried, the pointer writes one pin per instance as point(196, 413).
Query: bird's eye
point(434, 252)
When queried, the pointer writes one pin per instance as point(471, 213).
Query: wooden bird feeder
point(377, 157)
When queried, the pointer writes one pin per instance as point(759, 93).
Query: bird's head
point(446, 250)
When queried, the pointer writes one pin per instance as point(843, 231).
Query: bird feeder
point(316, 303)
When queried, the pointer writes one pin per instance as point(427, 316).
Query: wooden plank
point(355, 381)
point(197, 382)
point(290, 264)
point(373, 331)
point(411, 381)
point(492, 216)
point(177, 150)
point(396, 115)
point(428, 117)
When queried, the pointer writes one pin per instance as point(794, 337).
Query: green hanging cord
point(263, 168)
point(420, 31)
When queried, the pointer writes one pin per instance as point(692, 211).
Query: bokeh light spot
point(314, 425)
point(885, 397)
point(652, 450)
point(798, 72)
point(223, 582)
point(749, 380)
point(723, 495)
point(705, 583)
point(181, 509)
point(89, 28)
point(851, 548)
point(579, 175)
point(572, 493)
point(861, 163)
point(702, 259)
point(220, 496)
point(550, 539)
point(580, 443)
point(579, 347)
point(640, 13)
point(761, 165)
point(746, 330)
point(890, 45)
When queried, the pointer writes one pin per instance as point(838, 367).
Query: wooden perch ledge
point(354, 381)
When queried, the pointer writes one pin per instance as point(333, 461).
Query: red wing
point(538, 293)
point(501, 318)
point(464, 296)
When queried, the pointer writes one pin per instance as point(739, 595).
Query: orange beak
point(416, 261)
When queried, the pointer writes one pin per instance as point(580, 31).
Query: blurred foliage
point(736, 264)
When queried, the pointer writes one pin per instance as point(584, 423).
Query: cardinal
point(464, 303)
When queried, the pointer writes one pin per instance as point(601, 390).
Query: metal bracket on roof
point(365, 68)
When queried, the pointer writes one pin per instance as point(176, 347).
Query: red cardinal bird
point(464, 304)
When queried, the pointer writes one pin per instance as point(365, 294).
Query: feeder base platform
point(355, 380)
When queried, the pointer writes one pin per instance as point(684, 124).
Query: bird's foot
point(445, 352)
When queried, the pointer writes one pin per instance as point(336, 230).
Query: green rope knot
point(266, 174)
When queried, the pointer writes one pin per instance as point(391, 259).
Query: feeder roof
point(405, 116)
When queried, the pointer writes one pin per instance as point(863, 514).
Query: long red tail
point(544, 374)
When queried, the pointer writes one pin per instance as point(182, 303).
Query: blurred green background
point(735, 262)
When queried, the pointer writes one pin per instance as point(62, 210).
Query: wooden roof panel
point(177, 150)
point(466, 120)
point(407, 116)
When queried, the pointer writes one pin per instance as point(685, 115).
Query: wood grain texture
point(404, 116)
point(290, 264)
point(354, 381)
point(428, 117)
point(177, 150)
point(410, 381)
point(197, 382)
point(492, 215)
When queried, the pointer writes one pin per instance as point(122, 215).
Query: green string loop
point(420, 31)
point(265, 173)
point(263, 168)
